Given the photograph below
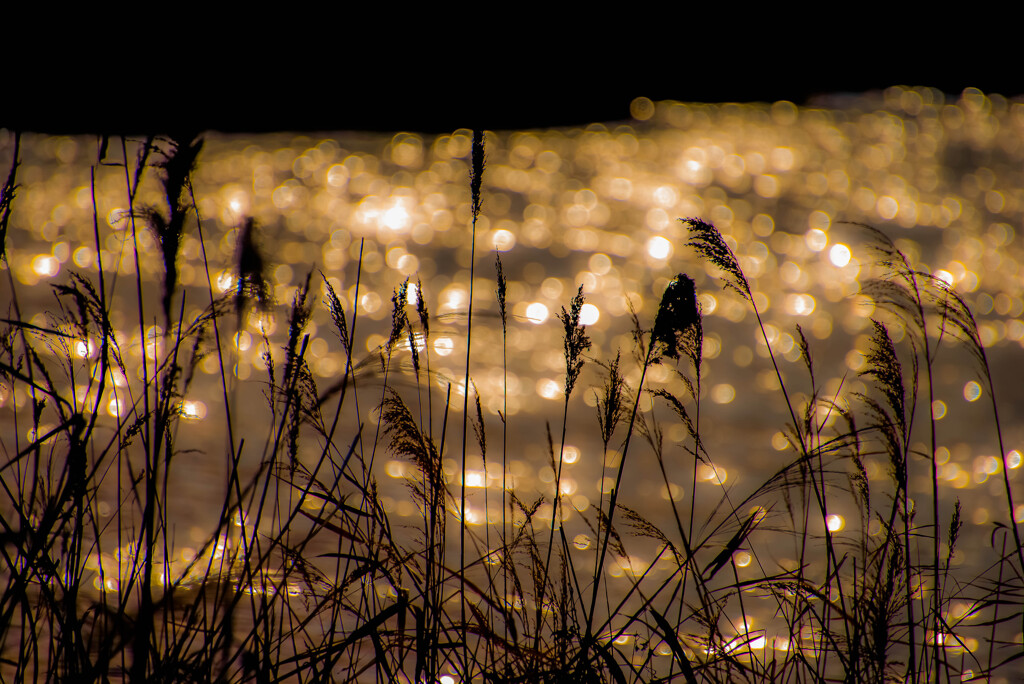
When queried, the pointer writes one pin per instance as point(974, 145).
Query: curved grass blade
point(673, 643)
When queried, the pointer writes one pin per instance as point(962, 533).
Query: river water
point(597, 207)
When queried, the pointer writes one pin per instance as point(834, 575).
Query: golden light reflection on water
point(594, 206)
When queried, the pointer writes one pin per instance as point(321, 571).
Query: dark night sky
point(345, 78)
point(302, 104)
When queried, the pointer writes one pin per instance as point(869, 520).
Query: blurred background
point(584, 189)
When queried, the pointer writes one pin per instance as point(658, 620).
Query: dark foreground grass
point(305, 578)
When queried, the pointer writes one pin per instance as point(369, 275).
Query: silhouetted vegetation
point(516, 600)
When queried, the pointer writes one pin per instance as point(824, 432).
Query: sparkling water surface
point(598, 207)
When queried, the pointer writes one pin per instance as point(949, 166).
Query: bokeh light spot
point(972, 391)
point(45, 265)
point(537, 313)
point(723, 393)
point(659, 248)
point(816, 239)
point(839, 255)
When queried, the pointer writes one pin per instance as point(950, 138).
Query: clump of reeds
point(306, 577)
point(7, 196)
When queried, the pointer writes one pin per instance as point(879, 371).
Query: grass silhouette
point(306, 578)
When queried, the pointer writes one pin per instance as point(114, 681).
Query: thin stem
point(141, 648)
point(614, 495)
point(475, 179)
